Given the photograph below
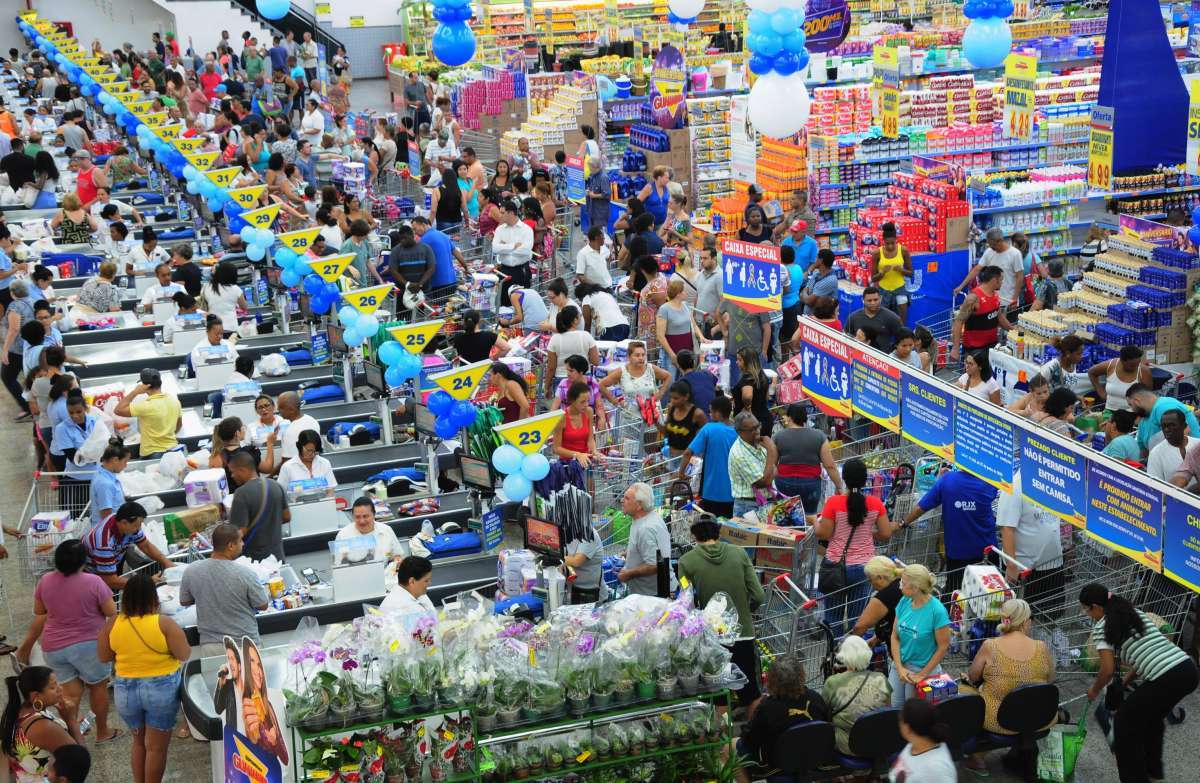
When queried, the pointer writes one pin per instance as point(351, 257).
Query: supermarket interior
point(600, 391)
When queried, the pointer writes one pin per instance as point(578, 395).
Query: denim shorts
point(78, 661)
point(148, 701)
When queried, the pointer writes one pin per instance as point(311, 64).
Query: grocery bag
point(1059, 750)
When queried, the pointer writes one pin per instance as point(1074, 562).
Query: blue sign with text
point(927, 415)
point(1054, 478)
point(984, 444)
point(1126, 514)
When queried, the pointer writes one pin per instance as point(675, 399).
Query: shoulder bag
point(832, 576)
point(253, 529)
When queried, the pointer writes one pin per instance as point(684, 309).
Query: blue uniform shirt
point(968, 521)
point(712, 444)
point(5, 265)
point(106, 493)
point(69, 435)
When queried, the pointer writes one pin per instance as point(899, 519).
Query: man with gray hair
point(440, 155)
point(599, 193)
point(752, 460)
point(1000, 253)
point(648, 542)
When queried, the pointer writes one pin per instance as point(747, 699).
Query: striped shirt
point(746, 465)
point(106, 546)
point(1150, 653)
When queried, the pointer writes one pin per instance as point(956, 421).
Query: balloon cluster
point(684, 12)
point(779, 102)
point(988, 39)
point(453, 42)
point(273, 9)
point(451, 415)
point(520, 470)
point(359, 327)
point(401, 365)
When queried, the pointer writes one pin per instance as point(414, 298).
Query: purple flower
point(296, 657)
point(319, 656)
point(585, 645)
point(349, 664)
point(692, 626)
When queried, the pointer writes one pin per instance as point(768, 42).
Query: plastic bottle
point(1020, 354)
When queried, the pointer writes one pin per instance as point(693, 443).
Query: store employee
point(363, 514)
point(586, 556)
point(414, 575)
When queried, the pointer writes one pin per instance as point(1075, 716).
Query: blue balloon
point(453, 44)
point(445, 428)
point(190, 172)
point(445, 13)
point(313, 284)
point(322, 303)
point(1193, 235)
point(786, 63)
point(767, 44)
point(463, 413)
point(785, 21)
point(795, 42)
point(234, 208)
point(284, 256)
point(507, 458)
point(192, 188)
point(1005, 8)
point(390, 353)
point(759, 22)
point(214, 206)
point(274, 9)
point(760, 64)
point(412, 365)
point(987, 42)
point(440, 403)
point(256, 253)
point(1196, 216)
point(367, 324)
point(247, 233)
point(290, 277)
point(348, 316)
point(802, 61)
point(464, 13)
point(353, 338)
point(535, 467)
point(265, 237)
point(394, 377)
point(517, 487)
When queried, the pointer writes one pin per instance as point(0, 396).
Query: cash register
point(313, 511)
point(356, 572)
point(213, 365)
point(163, 309)
point(545, 539)
point(239, 400)
point(189, 331)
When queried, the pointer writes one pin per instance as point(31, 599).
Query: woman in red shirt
point(573, 437)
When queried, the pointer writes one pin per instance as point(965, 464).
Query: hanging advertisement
point(1053, 477)
point(1181, 541)
point(984, 444)
point(1126, 514)
point(875, 390)
point(255, 741)
point(1147, 230)
point(576, 189)
point(826, 24)
point(752, 276)
point(1100, 148)
point(1020, 83)
point(742, 148)
point(666, 88)
point(825, 370)
point(927, 415)
point(887, 74)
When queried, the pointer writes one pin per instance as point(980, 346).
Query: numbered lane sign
point(262, 217)
point(330, 268)
point(202, 160)
point(222, 177)
point(139, 106)
point(530, 435)
point(169, 132)
point(368, 300)
point(461, 382)
point(299, 241)
point(414, 337)
point(154, 119)
point(248, 197)
point(188, 146)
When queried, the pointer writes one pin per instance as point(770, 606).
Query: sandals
point(116, 734)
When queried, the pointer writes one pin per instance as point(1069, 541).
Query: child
point(927, 347)
point(905, 348)
point(1121, 443)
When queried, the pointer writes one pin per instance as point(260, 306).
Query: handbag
point(832, 576)
point(29, 195)
point(253, 528)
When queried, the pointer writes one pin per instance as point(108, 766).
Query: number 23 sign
point(530, 435)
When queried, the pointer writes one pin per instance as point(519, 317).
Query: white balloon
point(779, 105)
point(686, 9)
point(768, 6)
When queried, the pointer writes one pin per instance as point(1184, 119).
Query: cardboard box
point(740, 534)
point(766, 556)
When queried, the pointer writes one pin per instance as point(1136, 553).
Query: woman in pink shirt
point(70, 607)
point(197, 101)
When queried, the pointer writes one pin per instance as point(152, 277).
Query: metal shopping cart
point(50, 493)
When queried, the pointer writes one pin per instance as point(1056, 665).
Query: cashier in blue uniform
point(214, 330)
point(413, 576)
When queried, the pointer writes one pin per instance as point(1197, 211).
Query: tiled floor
point(189, 760)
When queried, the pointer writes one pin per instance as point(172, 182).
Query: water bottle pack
point(1163, 300)
point(1178, 259)
point(633, 160)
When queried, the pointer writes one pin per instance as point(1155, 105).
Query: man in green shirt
point(34, 145)
point(252, 61)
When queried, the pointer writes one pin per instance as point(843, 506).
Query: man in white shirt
point(1002, 254)
point(414, 575)
point(512, 244)
point(440, 153)
point(308, 56)
point(1030, 535)
point(364, 524)
point(288, 405)
point(591, 263)
point(1167, 457)
point(163, 289)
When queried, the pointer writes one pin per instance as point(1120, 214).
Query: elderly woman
point(100, 294)
point(854, 690)
point(920, 636)
point(19, 313)
point(880, 612)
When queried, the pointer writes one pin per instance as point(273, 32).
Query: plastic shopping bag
point(1059, 750)
point(93, 448)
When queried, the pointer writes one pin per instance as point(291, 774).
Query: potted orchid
point(545, 699)
point(685, 654)
point(510, 692)
point(429, 671)
point(400, 687)
point(308, 708)
point(579, 689)
point(642, 678)
point(485, 712)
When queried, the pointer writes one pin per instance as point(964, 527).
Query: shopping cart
point(50, 493)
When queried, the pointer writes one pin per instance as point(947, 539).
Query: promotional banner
point(825, 370)
point(255, 742)
point(1126, 514)
point(752, 276)
point(1054, 478)
point(666, 88)
point(1193, 129)
point(414, 337)
point(1100, 148)
point(826, 24)
point(887, 72)
point(1181, 541)
point(875, 390)
point(743, 149)
point(984, 444)
point(927, 415)
point(1147, 230)
point(576, 187)
point(529, 435)
point(1020, 82)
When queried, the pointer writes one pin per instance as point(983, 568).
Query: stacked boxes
point(781, 168)
point(556, 126)
point(837, 110)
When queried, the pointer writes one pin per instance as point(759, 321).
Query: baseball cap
point(755, 189)
point(81, 155)
point(151, 377)
point(798, 225)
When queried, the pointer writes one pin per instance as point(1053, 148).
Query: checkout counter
point(107, 359)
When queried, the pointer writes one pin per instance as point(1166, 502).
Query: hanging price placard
point(1100, 148)
point(367, 300)
point(530, 435)
point(1020, 82)
point(299, 241)
point(330, 268)
point(887, 71)
point(461, 382)
point(262, 217)
point(202, 160)
point(414, 337)
point(154, 119)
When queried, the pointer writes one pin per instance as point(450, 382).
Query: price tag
point(367, 300)
point(330, 268)
point(582, 757)
point(461, 382)
point(448, 736)
point(248, 197)
point(262, 217)
point(202, 160)
point(358, 21)
point(530, 435)
point(414, 337)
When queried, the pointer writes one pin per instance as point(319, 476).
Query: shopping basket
point(1059, 750)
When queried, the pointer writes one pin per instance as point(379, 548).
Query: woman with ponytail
point(926, 758)
point(474, 344)
point(920, 635)
point(28, 733)
point(850, 524)
point(1167, 675)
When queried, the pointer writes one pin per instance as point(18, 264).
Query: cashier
point(414, 575)
point(163, 289)
point(363, 513)
point(186, 305)
point(309, 463)
point(148, 254)
point(214, 331)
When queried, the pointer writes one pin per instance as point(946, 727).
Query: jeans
point(10, 375)
point(903, 691)
point(615, 333)
point(720, 508)
point(217, 401)
point(849, 601)
point(807, 489)
point(78, 661)
point(148, 701)
point(743, 507)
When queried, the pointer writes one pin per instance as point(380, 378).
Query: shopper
point(109, 540)
point(752, 460)
point(414, 575)
point(227, 595)
point(17, 312)
point(511, 392)
point(1002, 255)
point(297, 422)
point(655, 195)
point(70, 607)
point(788, 701)
point(1112, 379)
point(977, 379)
point(309, 465)
point(71, 764)
point(29, 733)
point(712, 444)
point(926, 758)
point(638, 379)
point(224, 296)
point(968, 521)
point(529, 309)
point(1150, 407)
point(649, 543)
point(853, 690)
point(1033, 402)
point(675, 327)
point(1058, 412)
point(714, 566)
point(920, 635)
point(978, 319)
point(474, 344)
point(1062, 370)
point(1120, 441)
point(820, 288)
point(708, 289)
point(1167, 676)
point(363, 523)
point(147, 650)
point(891, 264)
point(651, 296)
point(1051, 288)
point(1030, 535)
point(879, 614)
point(1168, 456)
point(702, 383)
point(602, 316)
point(229, 439)
point(159, 415)
point(756, 229)
point(569, 341)
point(798, 211)
point(512, 246)
point(598, 189)
point(751, 391)
point(803, 451)
point(883, 324)
point(741, 329)
point(259, 508)
point(591, 262)
point(682, 419)
point(574, 435)
point(1097, 243)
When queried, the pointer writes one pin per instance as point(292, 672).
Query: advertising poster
point(875, 390)
point(743, 152)
point(752, 276)
point(1181, 541)
point(1125, 514)
point(1193, 127)
point(825, 370)
point(927, 415)
point(255, 741)
point(1053, 478)
point(576, 192)
point(1020, 82)
point(984, 444)
point(826, 24)
point(1100, 148)
point(666, 88)
point(887, 74)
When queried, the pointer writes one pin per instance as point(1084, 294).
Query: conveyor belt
point(105, 359)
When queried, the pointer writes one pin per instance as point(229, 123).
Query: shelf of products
point(708, 126)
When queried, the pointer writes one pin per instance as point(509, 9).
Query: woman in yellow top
point(147, 649)
point(890, 264)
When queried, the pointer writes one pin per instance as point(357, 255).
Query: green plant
point(579, 683)
point(545, 695)
point(510, 693)
point(428, 674)
point(313, 700)
point(638, 671)
point(400, 680)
